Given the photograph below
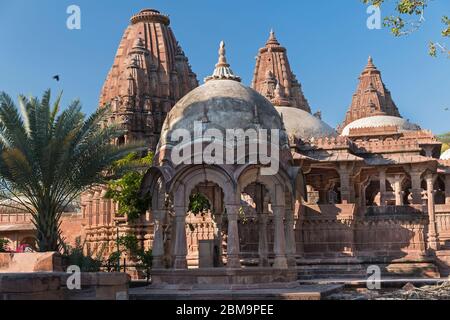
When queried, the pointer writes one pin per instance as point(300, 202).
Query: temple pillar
point(280, 238)
point(344, 175)
point(447, 189)
point(290, 239)
point(416, 189)
point(233, 249)
point(158, 239)
point(432, 231)
point(396, 182)
point(382, 175)
point(263, 249)
point(180, 250)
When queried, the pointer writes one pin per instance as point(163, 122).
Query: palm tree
point(48, 158)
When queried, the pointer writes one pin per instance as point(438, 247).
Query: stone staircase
point(331, 271)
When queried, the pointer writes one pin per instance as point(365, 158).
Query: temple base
point(224, 276)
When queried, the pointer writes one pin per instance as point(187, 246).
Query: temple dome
point(381, 121)
point(446, 155)
point(303, 125)
point(222, 104)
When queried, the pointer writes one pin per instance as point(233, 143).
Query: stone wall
point(52, 286)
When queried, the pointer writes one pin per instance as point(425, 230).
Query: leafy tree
point(199, 204)
point(406, 9)
point(3, 245)
point(125, 189)
point(445, 139)
point(48, 157)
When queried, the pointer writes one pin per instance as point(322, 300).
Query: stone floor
point(274, 291)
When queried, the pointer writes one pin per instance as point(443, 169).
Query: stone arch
point(276, 185)
point(187, 180)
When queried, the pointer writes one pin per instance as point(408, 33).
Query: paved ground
point(292, 291)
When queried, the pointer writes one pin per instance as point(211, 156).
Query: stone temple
point(374, 191)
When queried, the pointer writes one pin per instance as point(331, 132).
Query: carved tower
point(274, 79)
point(149, 75)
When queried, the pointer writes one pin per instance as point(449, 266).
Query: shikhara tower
point(371, 98)
point(149, 75)
point(274, 79)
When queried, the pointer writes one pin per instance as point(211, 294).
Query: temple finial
point(272, 39)
point(370, 65)
point(223, 70)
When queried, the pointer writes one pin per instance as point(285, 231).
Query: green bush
point(87, 262)
point(3, 245)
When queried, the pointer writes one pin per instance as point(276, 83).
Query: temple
point(374, 191)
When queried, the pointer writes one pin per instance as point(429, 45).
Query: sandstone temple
point(374, 191)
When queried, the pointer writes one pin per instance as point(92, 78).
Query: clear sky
point(328, 44)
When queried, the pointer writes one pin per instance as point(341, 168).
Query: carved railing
point(394, 210)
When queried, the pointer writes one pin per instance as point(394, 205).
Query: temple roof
point(372, 98)
point(222, 103)
point(381, 121)
point(274, 79)
point(303, 125)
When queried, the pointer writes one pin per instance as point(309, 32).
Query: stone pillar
point(432, 233)
point(291, 249)
point(382, 175)
point(447, 189)
point(233, 237)
point(158, 239)
point(263, 243)
point(345, 185)
point(280, 238)
point(416, 189)
point(396, 182)
point(180, 250)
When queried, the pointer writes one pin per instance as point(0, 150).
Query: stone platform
point(219, 276)
point(273, 291)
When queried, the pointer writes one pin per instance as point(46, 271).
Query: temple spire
point(372, 98)
point(272, 67)
point(223, 70)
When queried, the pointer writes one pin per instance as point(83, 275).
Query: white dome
point(381, 121)
point(225, 104)
point(446, 155)
point(303, 125)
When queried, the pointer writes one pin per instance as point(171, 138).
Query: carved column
point(233, 249)
point(432, 231)
point(396, 182)
point(158, 239)
point(263, 243)
point(382, 175)
point(416, 189)
point(344, 174)
point(447, 189)
point(291, 249)
point(180, 250)
point(280, 238)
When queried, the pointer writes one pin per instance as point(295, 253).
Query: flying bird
point(56, 77)
point(446, 109)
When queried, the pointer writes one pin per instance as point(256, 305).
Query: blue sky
point(328, 45)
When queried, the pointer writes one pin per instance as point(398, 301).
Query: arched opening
point(205, 232)
point(256, 225)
